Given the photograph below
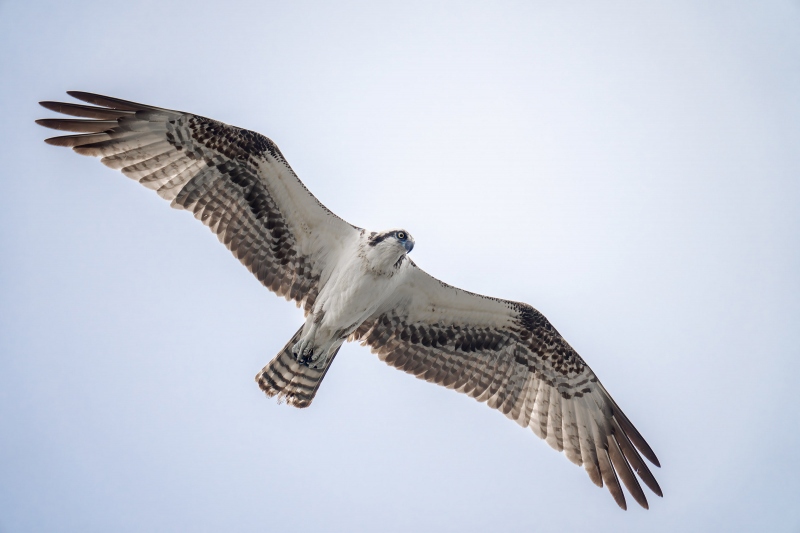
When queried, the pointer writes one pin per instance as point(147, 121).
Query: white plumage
point(354, 284)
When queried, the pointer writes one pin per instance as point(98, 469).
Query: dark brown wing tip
point(55, 141)
point(86, 111)
point(620, 501)
point(68, 141)
point(49, 104)
point(99, 99)
point(73, 141)
point(631, 431)
point(646, 450)
point(77, 125)
point(85, 97)
point(110, 102)
point(625, 472)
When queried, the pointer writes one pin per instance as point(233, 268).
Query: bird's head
point(389, 247)
point(404, 239)
point(394, 238)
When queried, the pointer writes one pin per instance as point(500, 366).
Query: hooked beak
point(408, 245)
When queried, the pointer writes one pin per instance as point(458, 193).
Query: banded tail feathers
point(291, 381)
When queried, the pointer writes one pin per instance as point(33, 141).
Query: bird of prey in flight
point(360, 285)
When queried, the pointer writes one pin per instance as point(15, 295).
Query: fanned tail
point(289, 380)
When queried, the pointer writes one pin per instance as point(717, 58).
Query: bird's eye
point(401, 235)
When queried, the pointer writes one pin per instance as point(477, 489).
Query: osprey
point(360, 285)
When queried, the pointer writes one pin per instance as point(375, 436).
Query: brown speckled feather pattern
point(508, 355)
point(233, 180)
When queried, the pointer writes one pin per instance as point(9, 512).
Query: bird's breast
point(353, 294)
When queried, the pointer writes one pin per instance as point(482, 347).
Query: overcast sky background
point(630, 169)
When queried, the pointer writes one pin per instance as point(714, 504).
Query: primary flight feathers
point(355, 284)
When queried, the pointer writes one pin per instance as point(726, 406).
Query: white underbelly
point(351, 301)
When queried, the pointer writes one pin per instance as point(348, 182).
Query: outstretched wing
point(508, 355)
point(233, 180)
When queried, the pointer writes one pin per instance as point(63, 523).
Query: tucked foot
point(317, 360)
point(304, 351)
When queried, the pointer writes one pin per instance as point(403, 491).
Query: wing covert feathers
point(235, 181)
point(508, 355)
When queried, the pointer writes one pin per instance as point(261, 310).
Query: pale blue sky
point(630, 169)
